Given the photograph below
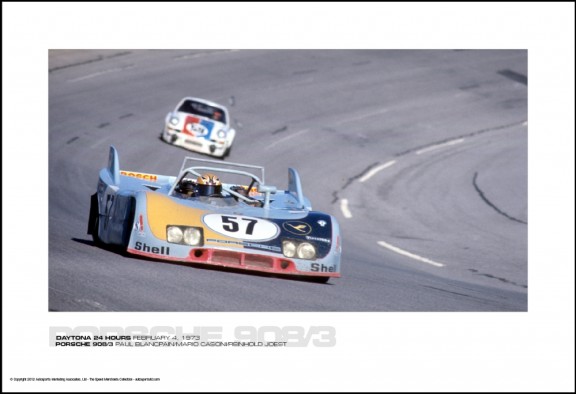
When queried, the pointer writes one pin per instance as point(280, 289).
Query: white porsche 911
point(200, 125)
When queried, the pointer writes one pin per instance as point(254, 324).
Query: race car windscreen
point(200, 109)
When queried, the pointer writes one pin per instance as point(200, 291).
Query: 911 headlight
point(221, 134)
point(288, 248)
point(306, 251)
point(192, 236)
point(174, 120)
point(174, 234)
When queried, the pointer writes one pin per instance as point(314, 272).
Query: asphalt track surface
point(421, 155)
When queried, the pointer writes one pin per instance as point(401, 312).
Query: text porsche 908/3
point(193, 217)
point(200, 125)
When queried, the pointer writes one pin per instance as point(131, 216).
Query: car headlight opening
point(301, 250)
point(306, 251)
point(174, 234)
point(184, 235)
point(174, 120)
point(288, 248)
point(221, 134)
point(192, 236)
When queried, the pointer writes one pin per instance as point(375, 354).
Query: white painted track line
point(96, 74)
point(361, 116)
point(434, 147)
point(376, 170)
point(344, 208)
point(408, 254)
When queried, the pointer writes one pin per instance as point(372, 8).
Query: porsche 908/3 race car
point(193, 217)
point(200, 125)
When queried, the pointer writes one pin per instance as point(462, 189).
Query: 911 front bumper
point(197, 144)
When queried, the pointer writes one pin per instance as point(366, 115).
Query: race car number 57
point(242, 227)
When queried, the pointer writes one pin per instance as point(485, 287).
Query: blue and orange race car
point(200, 125)
point(194, 217)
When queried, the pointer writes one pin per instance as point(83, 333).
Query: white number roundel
point(241, 227)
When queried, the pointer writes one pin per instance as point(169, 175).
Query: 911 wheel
point(227, 152)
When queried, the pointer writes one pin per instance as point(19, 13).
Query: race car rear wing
point(295, 188)
point(113, 169)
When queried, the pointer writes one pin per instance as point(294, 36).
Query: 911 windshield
point(200, 109)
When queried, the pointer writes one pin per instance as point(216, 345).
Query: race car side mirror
point(267, 190)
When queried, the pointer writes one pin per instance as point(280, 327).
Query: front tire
point(95, 236)
point(227, 152)
point(94, 219)
point(315, 279)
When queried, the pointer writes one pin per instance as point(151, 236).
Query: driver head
point(208, 185)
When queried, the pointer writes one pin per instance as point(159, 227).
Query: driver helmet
point(208, 185)
point(187, 186)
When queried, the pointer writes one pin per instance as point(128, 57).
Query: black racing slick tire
point(95, 236)
point(227, 152)
point(315, 279)
point(94, 219)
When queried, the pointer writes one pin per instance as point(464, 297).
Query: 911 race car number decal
point(242, 227)
point(196, 128)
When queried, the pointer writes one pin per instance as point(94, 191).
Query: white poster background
point(531, 351)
